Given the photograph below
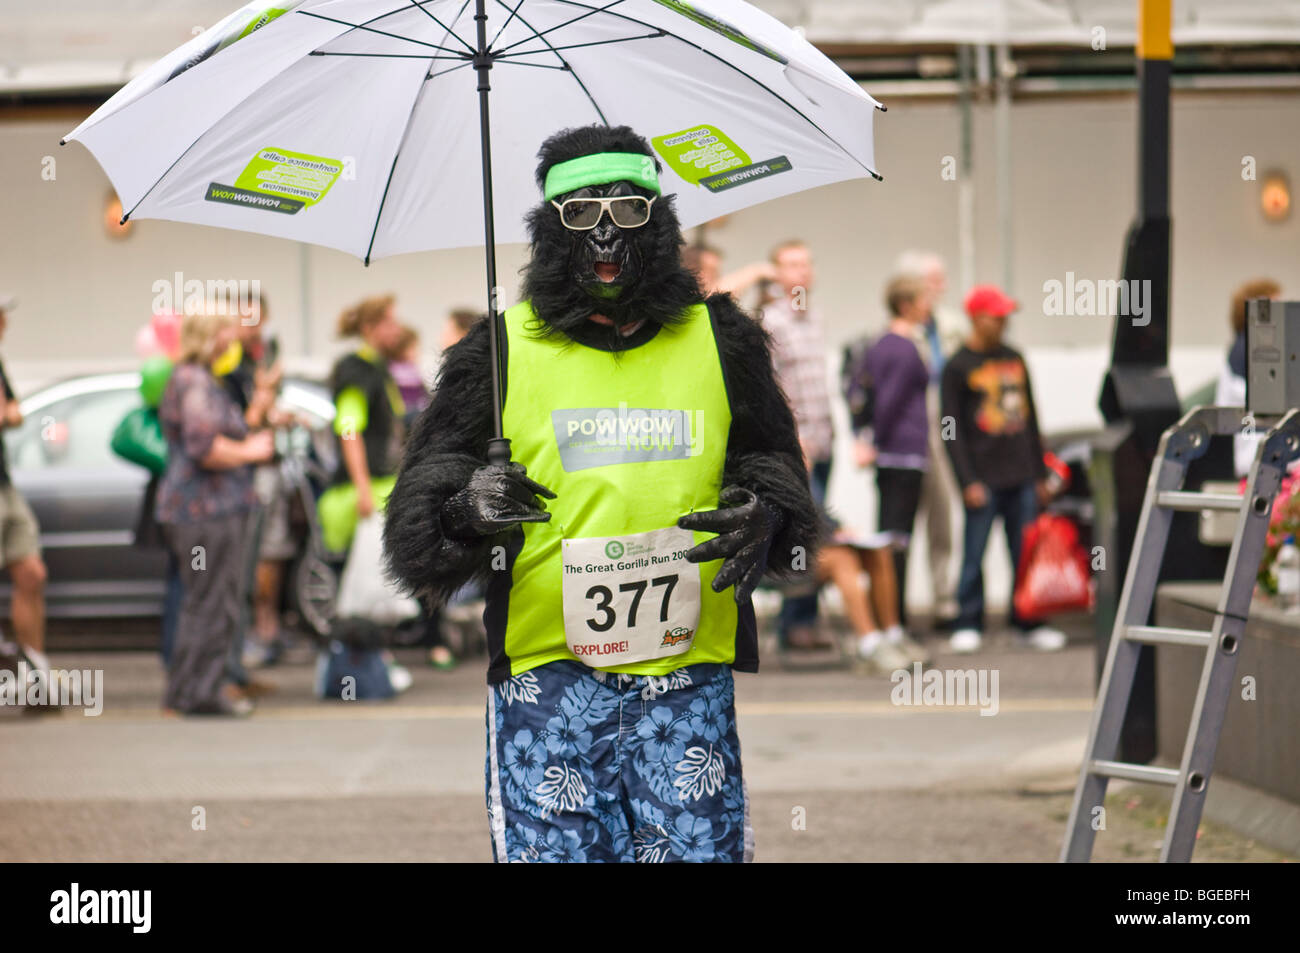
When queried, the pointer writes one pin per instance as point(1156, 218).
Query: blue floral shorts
point(584, 765)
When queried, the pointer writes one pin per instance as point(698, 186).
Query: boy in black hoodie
point(997, 457)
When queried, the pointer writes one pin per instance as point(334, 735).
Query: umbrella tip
point(882, 107)
point(63, 142)
point(876, 175)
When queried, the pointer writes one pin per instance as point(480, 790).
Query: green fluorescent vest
point(557, 391)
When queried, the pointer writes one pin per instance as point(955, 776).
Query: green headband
point(599, 169)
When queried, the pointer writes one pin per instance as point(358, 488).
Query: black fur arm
point(447, 444)
point(763, 453)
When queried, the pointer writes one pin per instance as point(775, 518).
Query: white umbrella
point(354, 124)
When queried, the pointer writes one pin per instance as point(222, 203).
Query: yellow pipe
point(1154, 40)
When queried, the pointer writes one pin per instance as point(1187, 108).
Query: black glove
point(747, 526)
point(497, 498)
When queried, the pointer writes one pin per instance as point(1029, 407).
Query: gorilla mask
point(624, 264)
point(604, 259)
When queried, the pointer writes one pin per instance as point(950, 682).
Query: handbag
point(364, 591)
point(139, 439)
point(1053, 574)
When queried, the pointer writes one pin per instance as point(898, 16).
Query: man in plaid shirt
point(799, 360)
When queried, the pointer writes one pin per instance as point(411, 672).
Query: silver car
point(88, 500)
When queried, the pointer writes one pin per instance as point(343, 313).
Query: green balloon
point(154, 374)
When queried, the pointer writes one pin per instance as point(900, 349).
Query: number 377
point(605, 598)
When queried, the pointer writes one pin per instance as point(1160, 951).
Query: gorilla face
point(606, 260)
point(626, 274)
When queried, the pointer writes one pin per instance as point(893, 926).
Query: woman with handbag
point(368, 412)
point(368, 422)
point(204, 502)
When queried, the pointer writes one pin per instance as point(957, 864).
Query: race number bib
point(630, 598)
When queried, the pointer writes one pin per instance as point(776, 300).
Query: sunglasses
point(625, 211)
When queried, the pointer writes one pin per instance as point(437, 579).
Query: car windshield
point(73, 432)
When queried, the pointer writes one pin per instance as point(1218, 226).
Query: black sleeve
point(448, 443)
point(763, 453)
point(951, 406)
point(4, 382)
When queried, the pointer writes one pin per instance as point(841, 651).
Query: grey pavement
point(835, 770)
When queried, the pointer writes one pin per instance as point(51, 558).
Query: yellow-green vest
point(555, 388)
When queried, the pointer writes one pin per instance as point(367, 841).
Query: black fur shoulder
point(459, 417)
point(763, 452)
point(448, 443)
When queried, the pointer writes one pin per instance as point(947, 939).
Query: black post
point(1138, 399)
point(498, 451)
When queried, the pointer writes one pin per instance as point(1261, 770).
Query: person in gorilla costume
point(657, 475)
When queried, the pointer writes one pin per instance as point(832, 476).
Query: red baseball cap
point(989, 299)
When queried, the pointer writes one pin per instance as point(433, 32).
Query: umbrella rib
point(757, 82)
point(177, 160)
point(574, 46)
point(497, 35)
point(564, 67)
point(397, 153)
point(393, 56)
point(572, 72)
point(420, 5)
point(450, 69)
point(550, 29)
point(395, 36)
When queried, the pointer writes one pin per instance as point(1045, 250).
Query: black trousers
point(899, 491)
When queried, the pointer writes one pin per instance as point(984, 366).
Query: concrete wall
point(83, 295)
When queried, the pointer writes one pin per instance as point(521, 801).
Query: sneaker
point(913, 649)
point(238, 708)
point(1042, 639)
point(897, 636)
point(399, 677)
point(883, 658)
point(233, 702)
point(440, 657)
point(965, 641)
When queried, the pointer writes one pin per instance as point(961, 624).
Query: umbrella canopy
point(357, 124)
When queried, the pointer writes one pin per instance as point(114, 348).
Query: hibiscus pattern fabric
point(588, 766)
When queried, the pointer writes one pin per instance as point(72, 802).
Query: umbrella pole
point(498, 450)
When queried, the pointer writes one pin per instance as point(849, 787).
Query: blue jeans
point(585, 765)
point(1018, 506)
point(802, 610)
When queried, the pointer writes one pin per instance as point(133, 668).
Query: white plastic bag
point(364, 591)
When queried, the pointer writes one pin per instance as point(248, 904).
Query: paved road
point(835, 770)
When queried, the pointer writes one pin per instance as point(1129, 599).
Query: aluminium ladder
point(1182, 443)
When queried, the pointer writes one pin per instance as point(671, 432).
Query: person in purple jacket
point(899, 438)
